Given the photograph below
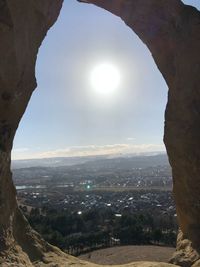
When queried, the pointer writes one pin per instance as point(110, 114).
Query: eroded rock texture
point(171, 31)
point(23, 26)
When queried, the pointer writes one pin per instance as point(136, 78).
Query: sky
point(67, 116)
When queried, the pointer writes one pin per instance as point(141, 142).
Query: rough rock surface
point(171, 31)
point(23, 26)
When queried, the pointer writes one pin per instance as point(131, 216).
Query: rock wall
point(23, 26)
point(171, 31)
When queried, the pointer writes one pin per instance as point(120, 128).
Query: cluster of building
point(160, 202)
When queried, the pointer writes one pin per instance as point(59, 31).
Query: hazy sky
point(66, 117)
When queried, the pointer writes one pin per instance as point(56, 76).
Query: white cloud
point(92, 150)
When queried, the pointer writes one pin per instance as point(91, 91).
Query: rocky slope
point(171, 31)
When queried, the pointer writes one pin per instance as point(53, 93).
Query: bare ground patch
point(127, 254)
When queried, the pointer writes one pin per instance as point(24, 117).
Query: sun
point(105, 78)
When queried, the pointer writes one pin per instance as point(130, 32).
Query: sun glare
point(105, 78)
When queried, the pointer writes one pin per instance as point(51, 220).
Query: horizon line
point(145, 153)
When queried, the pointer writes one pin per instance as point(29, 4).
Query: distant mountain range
point(135, 160)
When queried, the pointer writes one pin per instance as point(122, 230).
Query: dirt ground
point(126, 254)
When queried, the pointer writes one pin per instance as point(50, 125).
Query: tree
point(157, 235)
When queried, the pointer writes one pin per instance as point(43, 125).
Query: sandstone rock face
point(23, 26)
point(171, 31)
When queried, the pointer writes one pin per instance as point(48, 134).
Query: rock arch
point(171, 31)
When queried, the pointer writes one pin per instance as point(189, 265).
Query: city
point(112, 190)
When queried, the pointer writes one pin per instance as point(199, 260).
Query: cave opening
point(64, 110)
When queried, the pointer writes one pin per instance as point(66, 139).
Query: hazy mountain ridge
point(139, 160)
point(120, 171)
